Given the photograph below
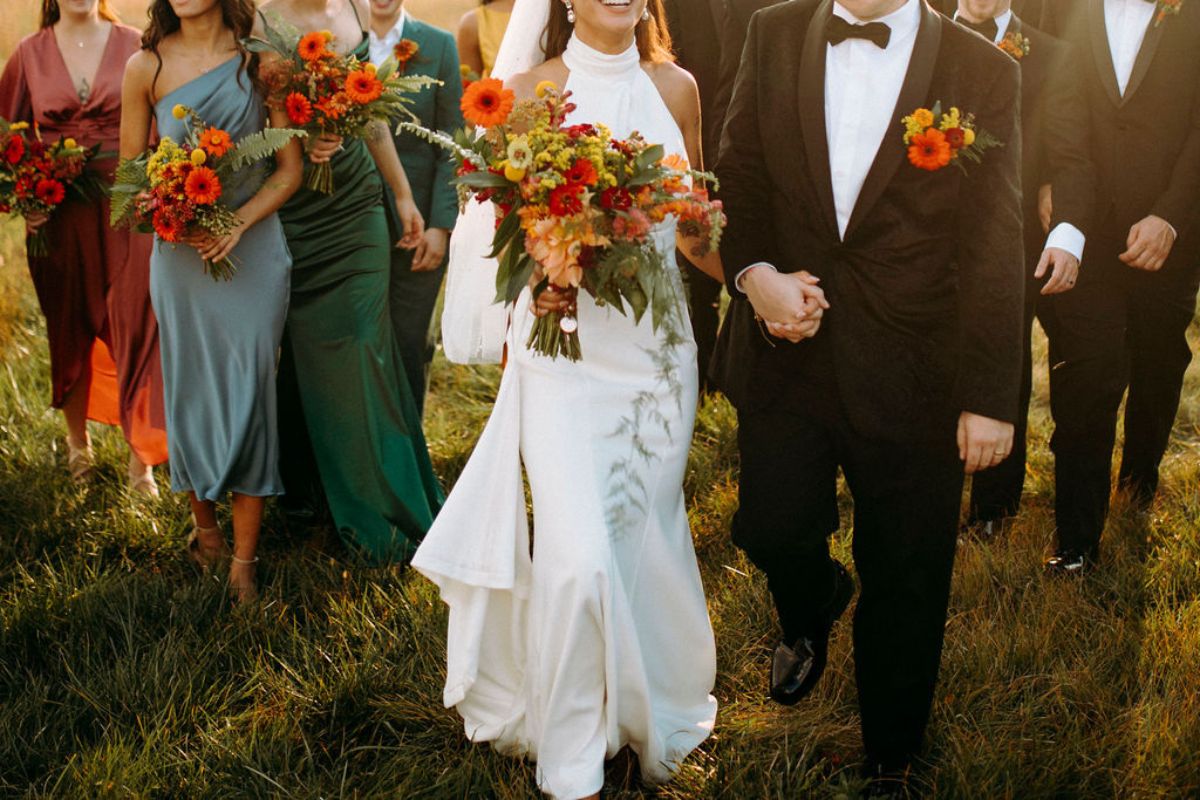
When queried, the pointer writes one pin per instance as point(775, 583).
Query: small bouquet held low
point(577, 203)
point(323, 92)
point(176, 189)
point(35, 177)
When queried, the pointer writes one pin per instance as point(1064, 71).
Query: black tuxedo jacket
point(1144, 146)
point(733, 41)
point(927, 287)
point(695, 27)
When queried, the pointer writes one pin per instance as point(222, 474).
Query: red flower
point(299, 109)
point(576, 131)
point(616, 198)
point(50, 191)
point(166, 226)
point(14, 150)
point(566, 200)
point(583, 172)
point(955, 138)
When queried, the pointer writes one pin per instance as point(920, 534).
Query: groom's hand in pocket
point(983, 442)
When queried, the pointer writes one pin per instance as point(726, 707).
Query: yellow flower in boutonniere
point(1015, 45)
point(1167, 8)
point(945, 138)
point(405, 51)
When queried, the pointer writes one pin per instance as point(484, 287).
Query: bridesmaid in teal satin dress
point(342, 373)
point(218, 339)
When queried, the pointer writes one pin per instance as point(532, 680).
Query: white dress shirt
point(1002, 22)
point(1126, 22)
point(381, 48)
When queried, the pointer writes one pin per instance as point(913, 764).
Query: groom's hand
point(983, 442)
point(785, 301)
point(1063, 268)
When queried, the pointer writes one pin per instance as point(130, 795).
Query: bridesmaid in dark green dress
point(356, 405)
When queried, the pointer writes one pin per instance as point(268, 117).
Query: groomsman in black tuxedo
point(1028, 10)
point(1050, 154)
point(910, 377)
point(1123, 326)
point(694, 26)
point(733, 41)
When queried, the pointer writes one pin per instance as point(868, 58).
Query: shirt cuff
point(737, 282)
point(1066, 236)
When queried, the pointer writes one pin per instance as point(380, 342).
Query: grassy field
point(124, 673)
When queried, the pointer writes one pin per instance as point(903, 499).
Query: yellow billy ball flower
point(369, 68)
point(18, 126)
point(198, 157)
point(179, 111)
point(968, 137)
point(70, 144)
point(545, 86)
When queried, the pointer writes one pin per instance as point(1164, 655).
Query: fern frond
point(257, 146)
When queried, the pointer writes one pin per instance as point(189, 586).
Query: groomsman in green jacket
point(417, 274)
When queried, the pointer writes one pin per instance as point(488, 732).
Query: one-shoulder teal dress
point(355, 400)
point(219, 340)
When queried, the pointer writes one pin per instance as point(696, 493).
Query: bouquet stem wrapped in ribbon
point(575, 206)
point(36, 178)
point(176, 189)
point(327, 93)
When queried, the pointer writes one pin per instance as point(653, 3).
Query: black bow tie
point(838, 30)
point(987, 29)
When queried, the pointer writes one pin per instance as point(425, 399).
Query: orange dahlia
point(487, 103)
point(929, 150)
point(363, 87)
point(299, 109)
point(215, 142)
point(203, 187)
point(312, 47)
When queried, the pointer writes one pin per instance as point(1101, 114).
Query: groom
point(911, 377)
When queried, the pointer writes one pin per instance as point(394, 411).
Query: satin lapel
point(1145, 56)
point(892, 152)
point(812, 112)
point(1103, 56)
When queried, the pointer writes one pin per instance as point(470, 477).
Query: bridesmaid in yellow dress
point(480, 32)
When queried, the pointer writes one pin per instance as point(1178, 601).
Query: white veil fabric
point(474, 325)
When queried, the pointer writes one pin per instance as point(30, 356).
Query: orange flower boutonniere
point(938, 139)
point(405, 51)
point(1167, 8)
point(1015, 45)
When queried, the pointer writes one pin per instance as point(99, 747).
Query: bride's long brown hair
point(51, 13)
point(237, 15)
point(653, 38)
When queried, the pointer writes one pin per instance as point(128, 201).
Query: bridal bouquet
point(35, 177)
point(577, 203)
point(175, 189)
point(326, 93)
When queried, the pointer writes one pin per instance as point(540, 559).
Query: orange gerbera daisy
point(405, 51)
point(215, 142)
point(487, 103)
point(929, 150)
point(312, 47)
point(363, 87)
point(299, 109)
point(203, 187)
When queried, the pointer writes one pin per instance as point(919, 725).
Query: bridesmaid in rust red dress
point(94, 286)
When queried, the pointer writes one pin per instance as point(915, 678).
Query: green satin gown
point(357, 406)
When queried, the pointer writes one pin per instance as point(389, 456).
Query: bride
point(601, 639)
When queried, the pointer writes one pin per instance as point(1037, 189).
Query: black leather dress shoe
point(796, 668)
point(1070, 563)
point(885, 782)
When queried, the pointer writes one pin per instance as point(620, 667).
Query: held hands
point(983, 442)
point(431, 250)
point(791, 305)
point(1149, 244)
point(1063, 268)
point(413, 224)
point(322, 149)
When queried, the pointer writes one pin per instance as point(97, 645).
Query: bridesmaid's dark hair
point(238, 16)
point(653, 38)
point(51, 13)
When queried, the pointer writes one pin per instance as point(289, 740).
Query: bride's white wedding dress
point(602, 638)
